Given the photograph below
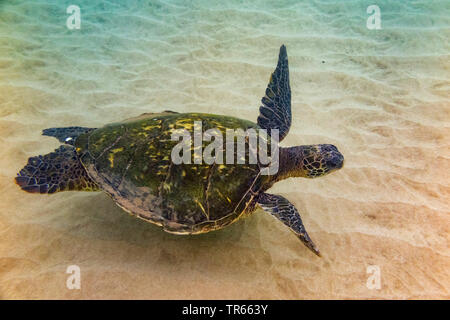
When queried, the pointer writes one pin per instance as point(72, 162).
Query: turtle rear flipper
point(60, 170)
point(66, 135)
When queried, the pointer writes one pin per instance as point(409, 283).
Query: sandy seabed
point(382, 97)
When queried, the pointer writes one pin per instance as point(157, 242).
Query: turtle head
point(320, 159)
point(310, 161)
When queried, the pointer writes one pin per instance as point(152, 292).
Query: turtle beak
point(334, 159)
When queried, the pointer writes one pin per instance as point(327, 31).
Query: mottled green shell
point(131, 161)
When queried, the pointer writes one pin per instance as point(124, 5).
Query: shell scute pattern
point(131, 161)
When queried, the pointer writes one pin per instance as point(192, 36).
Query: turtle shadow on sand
point(110, 222)
point(105, 224)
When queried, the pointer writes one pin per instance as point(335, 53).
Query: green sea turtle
point(131, 161)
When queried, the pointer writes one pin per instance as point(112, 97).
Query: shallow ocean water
point(381, 96)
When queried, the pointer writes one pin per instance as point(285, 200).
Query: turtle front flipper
point(275, 113)
point(285, 211)
point(60, 170)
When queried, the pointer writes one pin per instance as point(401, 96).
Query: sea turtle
point(132, 162)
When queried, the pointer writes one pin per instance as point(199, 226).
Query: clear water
point(381, 96)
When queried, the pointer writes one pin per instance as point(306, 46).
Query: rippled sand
point(381, 96)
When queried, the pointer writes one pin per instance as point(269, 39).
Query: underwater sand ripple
point(381, 97)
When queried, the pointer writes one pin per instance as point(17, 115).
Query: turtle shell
point(131, 161)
